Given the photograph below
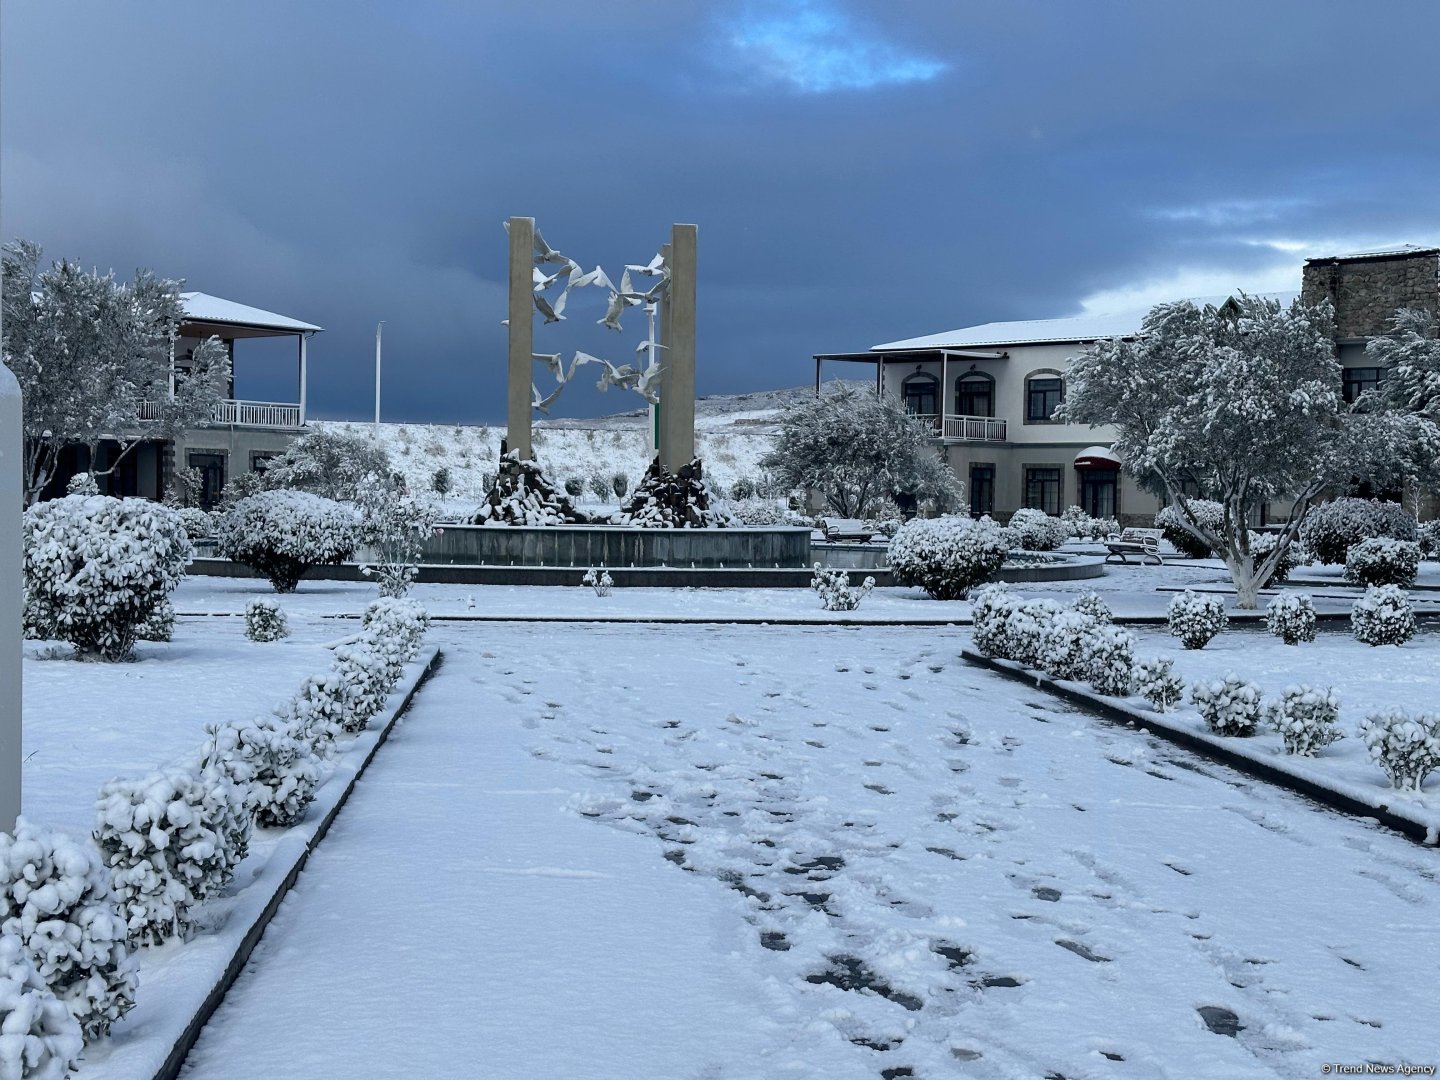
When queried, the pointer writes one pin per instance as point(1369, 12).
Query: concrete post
point(521, 335)
point(304, 381)
point(677, 412)
point(11, 596)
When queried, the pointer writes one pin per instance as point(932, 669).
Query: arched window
point(922, 394)
point(1044, 390)
point(975, 394)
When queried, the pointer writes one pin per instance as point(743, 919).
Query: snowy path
point(830, 853)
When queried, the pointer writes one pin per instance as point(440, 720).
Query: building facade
point(991, 391)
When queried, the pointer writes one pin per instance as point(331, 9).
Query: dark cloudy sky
point(860, 170)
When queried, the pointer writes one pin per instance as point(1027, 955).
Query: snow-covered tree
point(330, 463)
point(394, 525)
point(282, 534)
point(96, 569)
point(93, 356)
point(1242, 401)
point(854, 448)
point(1410, 355)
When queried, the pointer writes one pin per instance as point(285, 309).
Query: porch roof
point(232, 319)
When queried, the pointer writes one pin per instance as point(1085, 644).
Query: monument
point(673, 492)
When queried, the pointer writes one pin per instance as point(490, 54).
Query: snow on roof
point(1042, 331)
point(202, 307)
point(1403, 249)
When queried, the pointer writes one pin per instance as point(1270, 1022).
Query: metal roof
point(203, 308)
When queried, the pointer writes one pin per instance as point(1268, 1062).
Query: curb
point(1212, 747)
point(178, 1027)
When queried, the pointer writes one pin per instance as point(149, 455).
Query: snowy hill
point(733, 433)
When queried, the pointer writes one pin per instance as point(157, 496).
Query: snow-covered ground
point(781, 851)
point(818, 852)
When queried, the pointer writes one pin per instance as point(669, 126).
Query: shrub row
point(1068, 642)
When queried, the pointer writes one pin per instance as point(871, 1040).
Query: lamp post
point(378, 327)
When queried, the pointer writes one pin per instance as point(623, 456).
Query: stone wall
point(1367, 290)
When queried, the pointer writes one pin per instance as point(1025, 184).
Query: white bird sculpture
point(651, 269)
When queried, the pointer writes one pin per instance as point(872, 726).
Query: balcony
point(231, 413)
point(955, 428)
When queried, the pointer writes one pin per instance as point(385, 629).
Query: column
point(304, 381)
point(521, 335)
point(677, 415)
point(11, 596)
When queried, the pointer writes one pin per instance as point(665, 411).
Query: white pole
point(654, 428)
point(377, 378)
point(304, 381)
point(12, 600)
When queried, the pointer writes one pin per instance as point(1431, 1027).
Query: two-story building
point(991, 390)
point(242, 436)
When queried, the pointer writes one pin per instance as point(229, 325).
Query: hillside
point(733, 433)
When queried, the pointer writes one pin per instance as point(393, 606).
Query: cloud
point(815, 48)
point(1189, 283)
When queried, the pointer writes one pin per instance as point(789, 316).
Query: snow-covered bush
point(1263, 543)
point(35, 621)
point(1291, 618)
point(57, 898)
point(198, 523)
point(319, 711)
point(96, 567)
point(1229, 706)
point(1406, 747)
point(1065, 643)
point(1024, 631)
point(600, 581)
point(1306, 718)
point(162, 838)
point(1383, 616)
point(39, 1038)
point(1092, 604)
point(1081, 526)
point(159, 625)
point(947, 556)
point(991, 608)
point(265, 621)
point(765, 512)
point(835, 591)
point(1155, 680)
point(1035, 530)
point(82, 483)
point(1427, 535)
point(364, 673)
point(1381, 561)
point(403, 621)
point(271, 762)
point(882, 526)
point(1331, 529)
point(1111, 660)
point(1209, 515)
point(282, 534)
point(1195, 619)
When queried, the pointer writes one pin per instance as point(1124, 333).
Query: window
point(260, 460)
point(1042, 488)
point(982, 490)
point(1043, 394)
point(975, 395)
point(211, 466)
point(1099, 491)
point(922, 394)
point(1359, 379)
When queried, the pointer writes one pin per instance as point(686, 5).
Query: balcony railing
point(271, 414)
point(953, 427)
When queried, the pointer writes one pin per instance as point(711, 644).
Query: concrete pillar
point(521, 335)
point(677, 409)
point(662, 337)
point(11, 596)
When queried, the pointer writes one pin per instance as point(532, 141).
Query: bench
point(1143, 543)
point(846, 530)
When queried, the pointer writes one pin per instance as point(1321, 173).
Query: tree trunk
point(1247, 586)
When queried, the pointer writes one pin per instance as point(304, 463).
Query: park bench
point(1143, 543)
point(846, 530)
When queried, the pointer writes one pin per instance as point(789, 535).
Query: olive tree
point(857, 449)
point(1244, 401)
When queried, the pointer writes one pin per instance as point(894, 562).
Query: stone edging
point(1212, 747)
point(131, 1053)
